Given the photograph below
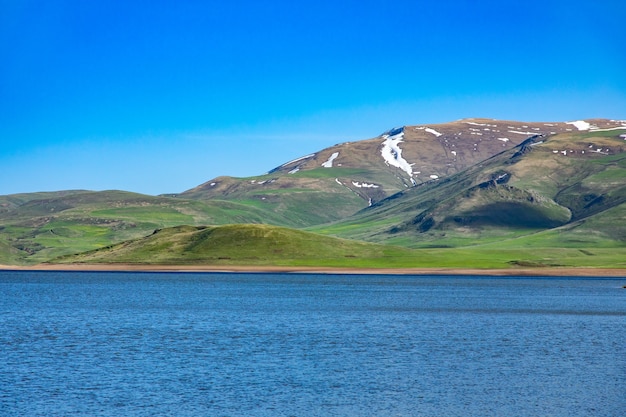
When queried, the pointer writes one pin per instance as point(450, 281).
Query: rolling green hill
point(264, 245)
point(570, 183)
point(336, 182)
point(35, 228)
point(497, 192)
point(242, 244)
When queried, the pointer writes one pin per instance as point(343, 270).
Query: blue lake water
point(187, 344)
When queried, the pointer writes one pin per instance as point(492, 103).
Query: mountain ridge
point(557, 180)
point(376, 168)
point(433, 185)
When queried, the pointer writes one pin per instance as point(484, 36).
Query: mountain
point(466, 184)
point(350, 176)
point(571, 184)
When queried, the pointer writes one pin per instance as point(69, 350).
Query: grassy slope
point(306, 194)
point(8, 254)
point(264, 245)
point(12, 201)
point(297, 200)
point(554, 210)
point(243, 245)
point(36, 229)
point(544, 190)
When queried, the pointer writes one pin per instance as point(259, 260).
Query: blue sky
point(160, 96)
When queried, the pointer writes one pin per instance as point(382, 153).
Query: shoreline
point(548, 272)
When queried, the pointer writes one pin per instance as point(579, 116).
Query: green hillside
point(499, 193)
point(243, 244)
point(571, 182)
point(297, 200)
point(338, 181)
point(35, 228)
point(263, 245)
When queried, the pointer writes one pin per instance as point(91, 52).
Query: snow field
point(329, 162)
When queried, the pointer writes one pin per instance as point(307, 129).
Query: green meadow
point(556, 201)
point(263, 245)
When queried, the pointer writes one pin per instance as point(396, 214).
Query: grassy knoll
point(300, 199)
point(35, 228)
point(8, 254)
point(248, 244)
point(562, 195)
point(263, 245)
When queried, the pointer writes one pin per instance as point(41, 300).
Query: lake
point(209, 344)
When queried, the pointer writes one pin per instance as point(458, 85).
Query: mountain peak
point(401, 157)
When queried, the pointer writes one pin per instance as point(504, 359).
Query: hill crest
point(454, 184)
point(351, 176)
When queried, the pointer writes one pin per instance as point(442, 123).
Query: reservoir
point(231, 344)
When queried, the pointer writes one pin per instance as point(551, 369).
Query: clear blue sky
point(160, 96)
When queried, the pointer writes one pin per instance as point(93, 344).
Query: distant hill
point(39, 226)
point(265, 245)
point(244, 244)
point(466, 184)
point(336, 182)
point(571, 184)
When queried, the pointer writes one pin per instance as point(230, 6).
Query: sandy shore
point(554, 272)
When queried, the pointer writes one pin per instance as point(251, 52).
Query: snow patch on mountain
point(392, 154)
point(481, 124)
point(429, 130)
point(433, 131)
point(580, 125)
point(521, 133)
point(329, 163)
point(298, 159)
point(363, 185)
